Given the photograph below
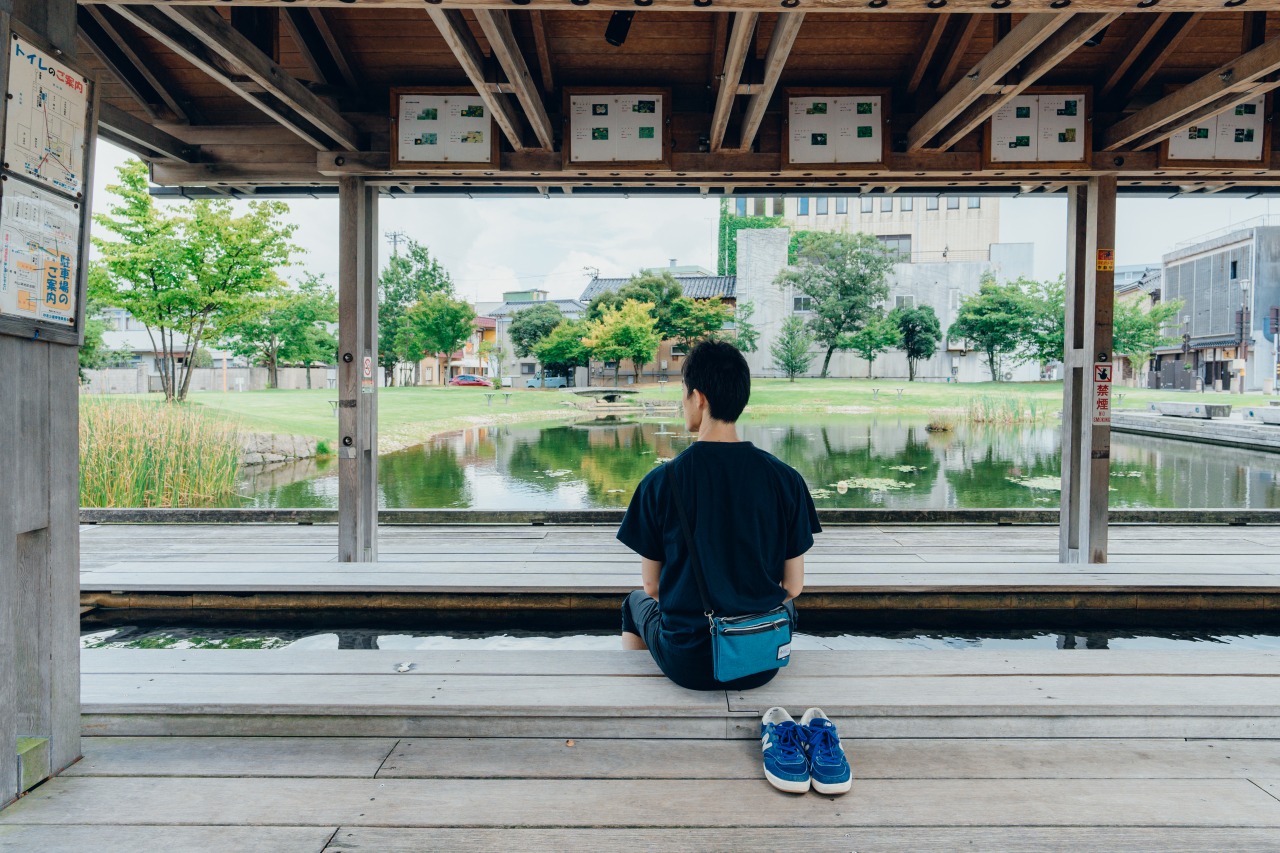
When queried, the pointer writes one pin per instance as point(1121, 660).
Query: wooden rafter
point(502, 41)
point(1031, 32)
point(744, 25)
point(310, 31)
point(1064, 42)
point(142, 138)
point(1165, 45)
point(133, 70)
point(539, 25)
point(203, 37)
point(1132, 51)
point(784, 36)
point(968, 29)
point(455, 32)
point(927, 51)
point(1215, 92)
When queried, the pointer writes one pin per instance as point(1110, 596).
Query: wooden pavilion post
point(358, 371)
point(1086, 439)
point(39, 516)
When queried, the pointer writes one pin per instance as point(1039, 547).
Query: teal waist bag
point(740, 645)
point(746, 645)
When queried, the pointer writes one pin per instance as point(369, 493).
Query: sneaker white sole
point(787, 785)
point(837, 788)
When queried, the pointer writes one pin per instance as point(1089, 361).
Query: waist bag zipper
point(755, 629)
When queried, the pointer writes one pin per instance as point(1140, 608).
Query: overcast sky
point(493, 245)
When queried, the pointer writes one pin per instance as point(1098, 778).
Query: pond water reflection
point(848, 462)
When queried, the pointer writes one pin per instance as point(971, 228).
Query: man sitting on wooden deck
point(751, 519)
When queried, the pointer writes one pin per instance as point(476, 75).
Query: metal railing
point(1265, 220)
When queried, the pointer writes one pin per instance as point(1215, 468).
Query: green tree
point(920, 331)
point(531, 325)
point(629, 331)
point(880, 334)
point(845, 277)
point(1138, 330)
point(94, 353)
point(659, 290)
point(791, 351)
point(1046, 334)
point(563, 350)
point(697, 320)
point(746, 335)
point(405, 280)
point(999, 319)
point(186, 272)
point(727, 239)
point(287, 327)
point(437, 324)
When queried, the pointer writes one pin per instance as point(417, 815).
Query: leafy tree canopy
point(920, 331)
point(406, 278)
point(437, 324)
point(697, 320)
point(879, 334)
point(746, 335)
point(531, 325)
point(998, 319)
point(629, 331)
point(562, 350)
point(791, 351)
point(288, 326)
point(659, 290)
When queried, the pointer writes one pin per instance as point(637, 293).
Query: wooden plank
point(959, 47)
point(877, 840)
point(335, 48)
point(780, 43)
point(1169, 43)
point(170, 839)
point(146, 140)
point(740, 41)
point(237, 757)
point(502, 43)
point(926, 53)
point(454, 30)
point(655, 803)
point(120, 57)
point(11, 383)
point(62, 609)
point(1146, 32)
point(1032, 31)
point(539, 26)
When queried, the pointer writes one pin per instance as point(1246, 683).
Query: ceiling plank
point(784, 36)
point(453, 28)
point(122, 58)
point(1177, 28)
point(1031, 32)
point(958, 50)
point(502, 41)
point(345, 71)
point(543, 51)
point(1219, 90)
point(1132, 51)
point(927, 51)
point(142, 138)
point(1041, 61)
point(298, 24)
point(744, 24)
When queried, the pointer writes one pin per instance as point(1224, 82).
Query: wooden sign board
point(1047, 127)
point(1239, 137)
point(447, 127)
point(626, 128)
point(842, 127)
point(47, 136)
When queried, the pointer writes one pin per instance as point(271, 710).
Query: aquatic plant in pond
point(1004, 409)
point(143, 454)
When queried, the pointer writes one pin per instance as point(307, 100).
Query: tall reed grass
point(142, 454)
point(1004, 409)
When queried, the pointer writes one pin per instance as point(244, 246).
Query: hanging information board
point(1238, 136)
point(837, 127)
point(617, 127)
point(1045, 127)
point(449, 126)
point(43, 191)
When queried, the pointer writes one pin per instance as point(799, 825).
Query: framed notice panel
point(451, 126)
point(840, 127)
point(44, 191)
point(1238, 137)
point(617, 127)
point(1046, 127)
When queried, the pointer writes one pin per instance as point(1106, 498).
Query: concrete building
point(1229, 282)
point(762, 254)
point(518, 370)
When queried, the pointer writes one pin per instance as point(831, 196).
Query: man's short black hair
point(719, 370)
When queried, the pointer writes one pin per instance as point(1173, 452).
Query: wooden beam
point(502, 41)
point(1253, 31)
point(122, 58)
point(1132, 51)
point(1031, 32)
point(142, 138)
point(927, 51)
point(958, 50)
point(260, 27)
point(297, 23)
point(1177, 28)
point(784, 36)
point(315, 124)
point(744, 24)
point(331, 41)
point(539, 25)
point(453, 28)
point(1216, 91)
point(1041, 61)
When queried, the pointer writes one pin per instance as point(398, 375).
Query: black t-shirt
point(749, 512)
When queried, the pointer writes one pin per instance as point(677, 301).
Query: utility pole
point(395, 237)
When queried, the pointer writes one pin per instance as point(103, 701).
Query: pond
point(849, 461)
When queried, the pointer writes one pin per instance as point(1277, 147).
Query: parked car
point(547, 382)
point(469, 379)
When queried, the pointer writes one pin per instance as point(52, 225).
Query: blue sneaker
point(827, 762)
point(782, 742)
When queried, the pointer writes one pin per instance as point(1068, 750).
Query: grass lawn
point(410, 415)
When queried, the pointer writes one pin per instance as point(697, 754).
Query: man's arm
point(649, 571)
point(793, 577)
